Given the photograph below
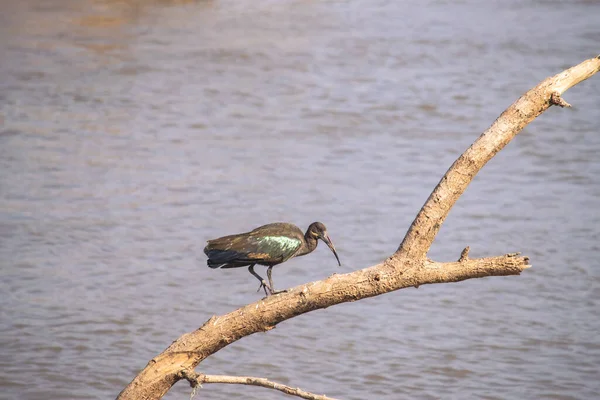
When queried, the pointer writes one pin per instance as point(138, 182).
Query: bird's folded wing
point(249, 248)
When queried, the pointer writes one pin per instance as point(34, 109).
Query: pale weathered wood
point(197, 380)
point(408, 267)
point(426, 225)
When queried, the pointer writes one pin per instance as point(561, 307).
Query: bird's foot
point(264, 285)
point(279, 291)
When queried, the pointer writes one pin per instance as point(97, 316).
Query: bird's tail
point(221, 258)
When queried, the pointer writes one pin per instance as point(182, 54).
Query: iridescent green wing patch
point(278, 247)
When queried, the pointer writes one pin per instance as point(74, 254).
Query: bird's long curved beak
point(329, 244)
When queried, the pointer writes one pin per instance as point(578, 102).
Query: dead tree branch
point(407, 267)
point(426, 225)
point(197, 380)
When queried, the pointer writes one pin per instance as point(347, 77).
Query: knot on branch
point(464, 255)
point(195, 379)
point(557, 100)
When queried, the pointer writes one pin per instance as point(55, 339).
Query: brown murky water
point(133, 131)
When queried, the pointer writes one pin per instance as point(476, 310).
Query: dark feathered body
point(266, 245)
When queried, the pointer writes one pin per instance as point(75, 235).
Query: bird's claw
point(264, 285)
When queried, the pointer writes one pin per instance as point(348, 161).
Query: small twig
point(196, 379)
point(464, 255)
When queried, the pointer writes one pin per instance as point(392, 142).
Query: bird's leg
point(263, 283)
point(269, 276)
point(273, 291)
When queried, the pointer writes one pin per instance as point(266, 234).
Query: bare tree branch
point(197, 380)
point(407, 267)
point(190, 349)
point(426, 225)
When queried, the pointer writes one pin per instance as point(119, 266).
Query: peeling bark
point(407, 267)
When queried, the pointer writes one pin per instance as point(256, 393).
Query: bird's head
point(317, 230)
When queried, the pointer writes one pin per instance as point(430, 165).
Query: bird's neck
point(310, 243)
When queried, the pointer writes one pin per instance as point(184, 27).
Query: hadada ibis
point(267, 245)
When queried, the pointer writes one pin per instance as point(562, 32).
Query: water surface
point(131, 132)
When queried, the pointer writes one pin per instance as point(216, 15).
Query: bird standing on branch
point(267, 245)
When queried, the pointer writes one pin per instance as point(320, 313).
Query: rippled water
point(133, 131)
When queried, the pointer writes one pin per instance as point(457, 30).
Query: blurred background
point(133, 131)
